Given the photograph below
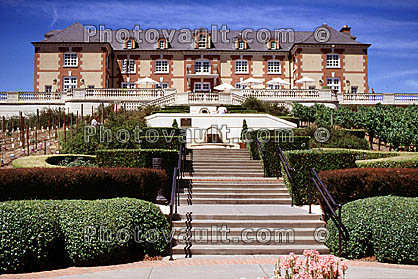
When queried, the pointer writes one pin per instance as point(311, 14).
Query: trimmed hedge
point(161, 142)
point(339, 138)
point(271, 138)
point(80, 183)
point(351, 184)
point(382, 226)
point(401, 161)
point(37, 235)
point(139, 158)
point(302, 161)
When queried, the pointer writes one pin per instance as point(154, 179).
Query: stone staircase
point(238, 211)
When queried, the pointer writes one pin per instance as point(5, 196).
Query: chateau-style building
point(69, 58)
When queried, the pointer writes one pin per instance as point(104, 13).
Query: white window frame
point(241, 45)
point(274, 86)
point(128, 66)
point(355, 91)
point(202, 41)
point(70, 60)
point(202, 66)
point(274, 69)
point(201, 86)
point(68, 83)
point(161, 66)
point(334, 84)
point(127, 85)
point(273, 45)
point(241, 66)
point(333, 60)
point(161, 44)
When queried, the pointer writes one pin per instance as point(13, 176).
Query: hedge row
point(46, 234)
point(139, 158)
point(339, 138)
point(351, 184)
point(127, 135)
point(302, 161)
point(161, 142)
point(270, 139)
point(401, 161)
point(382, 226)
point(80, 183)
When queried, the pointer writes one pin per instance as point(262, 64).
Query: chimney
point(347, 30)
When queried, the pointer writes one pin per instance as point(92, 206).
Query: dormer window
point(240, 44)
point(162, 43)
point(130, 43)
point(202, 42)
point(202, 39)
point(274, 45)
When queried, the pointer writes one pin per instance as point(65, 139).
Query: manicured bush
point(302, 161)
point(30, 238)
point(80, 183)
point(112, 231)
point(339, 138)
point(270, 156)
point(40, 234)
point(161, 142)
point(139, 158)
point(123, 134)
point(271, 138)
point(404, 160)
point(351, 184)
point(382, 226)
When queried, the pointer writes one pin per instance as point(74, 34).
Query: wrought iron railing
point(331, 208)
point(287, 169)
point(178, 182)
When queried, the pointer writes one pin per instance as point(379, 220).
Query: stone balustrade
point(13, 102)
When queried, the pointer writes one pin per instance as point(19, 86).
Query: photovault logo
point(322, 34)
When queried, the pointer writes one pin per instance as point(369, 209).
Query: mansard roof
point(75, 34)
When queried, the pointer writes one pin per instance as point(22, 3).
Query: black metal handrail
point(287, 168)
point(331, 208)
point(178, 173)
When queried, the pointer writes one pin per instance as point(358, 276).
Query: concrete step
point(264, 237)
point(239, 185)
point(250, 249)
point(226, 217)
point(228, 174)
point(228, 167)
point(197, 190)
point(228, 163)
point(237, 196)
point(237, 201)
point(218, 231)
point(289, 223)
point(229, 170)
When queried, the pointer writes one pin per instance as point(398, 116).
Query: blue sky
point(390, 26)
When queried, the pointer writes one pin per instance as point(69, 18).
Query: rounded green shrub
point(112, 231)
point(383, 226)
point(37, 235)
point(30, 238)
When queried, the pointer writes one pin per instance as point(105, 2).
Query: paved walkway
point(249, 267)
